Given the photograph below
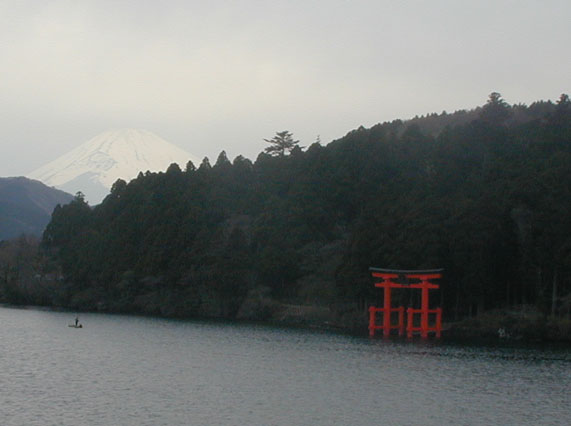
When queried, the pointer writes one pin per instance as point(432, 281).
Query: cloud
point(225, 74)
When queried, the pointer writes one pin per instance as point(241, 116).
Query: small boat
point(76, 324)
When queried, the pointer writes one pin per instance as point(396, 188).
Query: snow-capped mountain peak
point(94, 166)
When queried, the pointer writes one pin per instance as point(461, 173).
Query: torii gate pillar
point(424, 285)
point(387, 284)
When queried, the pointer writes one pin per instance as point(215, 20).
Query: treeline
point(484, 194)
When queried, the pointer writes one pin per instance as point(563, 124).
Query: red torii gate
point(422, 280)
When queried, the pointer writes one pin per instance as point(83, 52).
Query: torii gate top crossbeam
point(407, 271)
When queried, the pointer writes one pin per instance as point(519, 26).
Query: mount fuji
point(94, 166)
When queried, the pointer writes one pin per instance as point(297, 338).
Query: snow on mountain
point(94, 166)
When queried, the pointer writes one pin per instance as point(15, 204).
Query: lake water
point(126, 370)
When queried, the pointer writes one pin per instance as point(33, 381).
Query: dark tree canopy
point(496, 110)
point(205, 164)
point(190, 167)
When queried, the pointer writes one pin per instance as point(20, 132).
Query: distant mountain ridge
point(94, 166)
point(26, 206)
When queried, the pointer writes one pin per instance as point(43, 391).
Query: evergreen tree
point(281, 143)
point(496, 111)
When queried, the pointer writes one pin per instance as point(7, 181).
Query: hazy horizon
point(225, 75)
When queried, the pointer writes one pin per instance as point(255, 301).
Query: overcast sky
point(223, 75)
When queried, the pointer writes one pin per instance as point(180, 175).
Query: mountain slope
point(26, 206)
point(94, 166)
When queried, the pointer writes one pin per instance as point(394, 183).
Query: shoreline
point(478, 330)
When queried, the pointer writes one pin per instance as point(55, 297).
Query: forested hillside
point(26, 206)
point(484, 194)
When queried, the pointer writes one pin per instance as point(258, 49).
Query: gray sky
point(217, 75)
